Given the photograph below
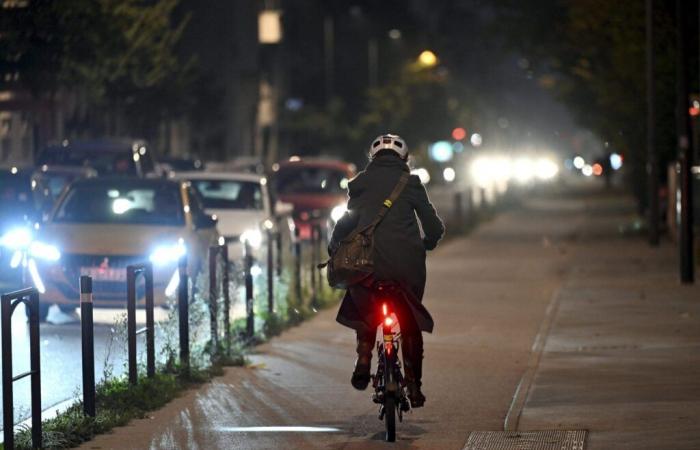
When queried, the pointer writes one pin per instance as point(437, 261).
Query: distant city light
point(458, 147)
point(597, 169)
point(476, 140)
point(395, 34)
point(441, 151)
point(616, 161)
point(422, 174)
point(449, 174)
point(546, 169)
point(427, 58)
point(459, 133)
point(695, 109)
point(269, 27)
point(523, 170)
point(587, 170)
point(579, 162)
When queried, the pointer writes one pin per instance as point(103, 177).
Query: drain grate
point(527, 440)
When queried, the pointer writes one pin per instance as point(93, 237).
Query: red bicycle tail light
point(388, 321)
point(385, 309)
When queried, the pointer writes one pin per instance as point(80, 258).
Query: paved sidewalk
point(622, 356)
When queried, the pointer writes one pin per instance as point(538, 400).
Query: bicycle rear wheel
point(390, 417)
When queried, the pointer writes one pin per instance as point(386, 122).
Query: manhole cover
point(526, 440)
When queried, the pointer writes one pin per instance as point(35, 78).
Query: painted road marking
point(278, 429)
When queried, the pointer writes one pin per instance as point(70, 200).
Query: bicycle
point(388, 382)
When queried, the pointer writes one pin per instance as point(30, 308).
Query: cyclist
point(399, 256)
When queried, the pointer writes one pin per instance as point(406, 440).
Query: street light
point(427, 59)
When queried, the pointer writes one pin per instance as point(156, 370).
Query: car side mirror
point(283, 208)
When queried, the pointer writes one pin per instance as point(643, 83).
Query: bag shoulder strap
point(386, 205)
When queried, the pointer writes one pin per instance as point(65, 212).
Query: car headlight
point(16, 238)
point(338, 212)
point(164, 254)
point(253, 237)
point(47, 252)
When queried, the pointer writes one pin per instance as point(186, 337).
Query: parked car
point(315, 187)
point(101, 225)
point(240, 202)
point(128, 157)
point(18, 213)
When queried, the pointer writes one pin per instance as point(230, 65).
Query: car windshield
point(311, 180)
point(229, 194)
point(122, 203)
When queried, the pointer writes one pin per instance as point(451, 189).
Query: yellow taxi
point(99, 226)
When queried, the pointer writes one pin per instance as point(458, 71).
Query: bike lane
point(488, 292)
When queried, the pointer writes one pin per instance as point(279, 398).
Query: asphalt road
point(488, 293)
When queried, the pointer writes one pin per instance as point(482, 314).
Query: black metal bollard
point(270, 273)
point(183, 310)
point(213, 305)
point(314, 255)
point(131, 273)
point(470, 205)
point(459, 211)
point(278, 241)
point(8, 303)
point(250, 313)
point(227, 298)
point(88, 345)
point(297, 267)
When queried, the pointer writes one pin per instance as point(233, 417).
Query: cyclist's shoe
point(361, 375)
point(415, 395)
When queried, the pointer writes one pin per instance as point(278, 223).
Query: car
point(99, 226)
point(315, 187)
point(241, 204)
point(128, 157)
point(18, 213)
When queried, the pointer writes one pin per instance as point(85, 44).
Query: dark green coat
point(399, 249)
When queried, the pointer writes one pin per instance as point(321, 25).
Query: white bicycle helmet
point(388, 142)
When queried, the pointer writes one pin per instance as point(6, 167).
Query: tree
point(592, 52)
point(119, 54)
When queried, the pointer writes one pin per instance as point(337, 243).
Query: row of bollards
point(30, 297)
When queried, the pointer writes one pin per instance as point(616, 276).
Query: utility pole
point(652, 157)
point(685, 150)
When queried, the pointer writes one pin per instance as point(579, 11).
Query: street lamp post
point(652, 159)
point(687, 265)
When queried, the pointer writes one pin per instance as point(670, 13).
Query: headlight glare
point(44, 251)
point(164, 254)
point(17, 238)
